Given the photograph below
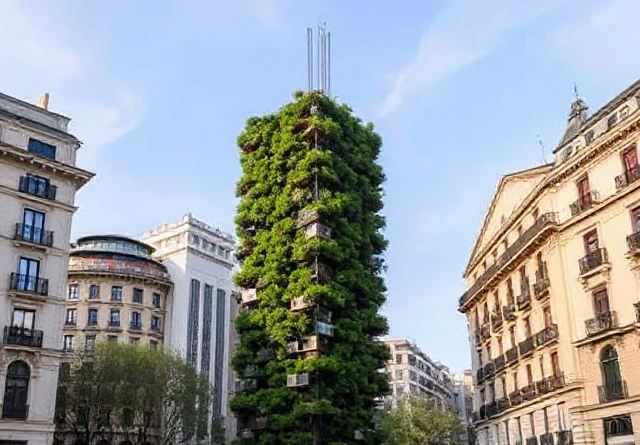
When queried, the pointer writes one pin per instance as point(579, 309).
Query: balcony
point(308, 344)
point(509, 311)
point(515, 398)
point(593, 260)
point(502, 405)
point(246, 385)
point(526, 346)
point(633, 241)
point(637, 307)
point(489, 370)
point(485, 331)
point(542, 284)
point(565, 437)
point(529, 392)
point(29, 284)
point(524, 299)
point(546, 439)
point(14, 335)
point(613, 391)
point(114, 266)
point(544, 222)
point(584, 203)
point(550, 384)
point(249, 297)
point(37, 187)
point(512, 355)
point(491, 409)
point(499, 363)
point(628, 177)
point(480, 376)
point(317, 230)
point(33, 235)
point(496, 321)
point(532, 440)
point(601, 322)
point(298, 380)
point(300, 304)
point(547, 335)
point(15, 412)
point(114, 323)
point(135, 325)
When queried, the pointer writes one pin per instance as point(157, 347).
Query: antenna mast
point(322, 81)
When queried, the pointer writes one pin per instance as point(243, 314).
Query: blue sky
point(458, 89)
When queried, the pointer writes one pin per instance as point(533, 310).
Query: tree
point(417, 421)
point(132, 393)
point(311, 248)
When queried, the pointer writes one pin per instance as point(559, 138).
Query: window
point(612, 121)
point(16, 391)
point(512, 336)
point(73, 291)
point(23, 318)
point(542, 366)
point(68, 343)
point(529, 375)
point(71, 317)
point(509, 291)
point(156, 300)
point(136, 320)
point(635, 220)
point(618, 426)
point(545, 419)
point(155, 324)
point(527, 327)
point(630, 159)
point(28, 272)
point(94, 292)
point(601, 302)
point(399, 359)
point(116, 293)
point(532, 424)
point(555, 364)
point(611, 378)
point(112, 338)
point(42, 148)
point(134, 340)
point(114, 317)
point(32, 229)
point(192, 325)
point(584, 192)
point(89, 343)
point(398, 374)
point(137, 295)
point(37, 186)
point(591, 242)
point(92, 317)
point(546, 313)
point(515, 381)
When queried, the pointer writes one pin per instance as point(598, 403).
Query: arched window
point(16, 391)
point(613, 387)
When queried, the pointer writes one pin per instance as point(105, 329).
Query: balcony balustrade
point(546, 439)
point(34, 235)
point(584, 203)
point(593, 260)
point(529, 392)
point(526, 346)
point(489, 370)
point(29, 284)
point(502, 404)
point(512, 355)
point(499, 363)
point(515, 398)
point(135, 325)
point(628, 177)
point(547, 335)
point(14, 335)
point(542, 284)
point(616, 390)
point(543, 222)
point(550, 384)
point(565, 437)
point(601, 322)
point(509, 311)
point(249, 297)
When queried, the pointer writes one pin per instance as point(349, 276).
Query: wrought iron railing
point(633, 241)
point(14, 335)
point(593, 260)
point(529, 392)
point(628, 177)
point(545, 220)
point(28, 283)
point(500, 362)
point(526, 346)
point(524, 299)
point(480, 375)
point(532, 440)
point(502, 404)
point(33, 235)
point(542, 284)
point(546, 335)
point(601, 322)
point(546, 439)
point(509, 311)
point(489, 370)
point(492, 409)
point(616, 390)
point(496, 320)
point(565, 437)
point(584, 203)
point(512, 355)
point(515, 397)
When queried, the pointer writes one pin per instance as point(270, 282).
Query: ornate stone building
point(38, 183)
point(553, 284)
point(116, 292)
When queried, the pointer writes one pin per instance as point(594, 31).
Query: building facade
point(463, 393)
point(200, 260)
point(411, 371)
point(116, 292)
point(553, 284)
point(38, 183)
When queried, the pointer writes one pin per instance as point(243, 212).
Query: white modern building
point(463, 392)
point(200, 260)
point(411, 371)
point(38, 183)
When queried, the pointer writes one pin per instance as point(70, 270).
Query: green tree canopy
point(417, 421)
point(132, 393)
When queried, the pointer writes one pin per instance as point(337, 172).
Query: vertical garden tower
point(309, 360)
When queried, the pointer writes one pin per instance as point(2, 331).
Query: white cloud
point(267, 12)
point(461, 34)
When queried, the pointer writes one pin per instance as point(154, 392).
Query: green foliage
point(279, 163)
point(129, 392)
point(417, 421)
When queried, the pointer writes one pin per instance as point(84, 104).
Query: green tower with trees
point(310, 360)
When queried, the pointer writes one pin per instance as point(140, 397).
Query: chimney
point(44, 101)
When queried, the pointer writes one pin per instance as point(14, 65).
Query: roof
point(126, 239)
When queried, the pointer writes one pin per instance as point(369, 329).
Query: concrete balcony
point(310, 344)
point(299, 304)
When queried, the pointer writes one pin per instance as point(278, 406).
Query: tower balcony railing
point(601, 322)
point(543, 222)
point(547, 335)
point(593, 260)
point(584, 203)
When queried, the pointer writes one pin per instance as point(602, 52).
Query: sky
point(461, 92)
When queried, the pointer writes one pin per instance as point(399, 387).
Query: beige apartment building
point(553, 290)
point(38, 183)
point(117, 292)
